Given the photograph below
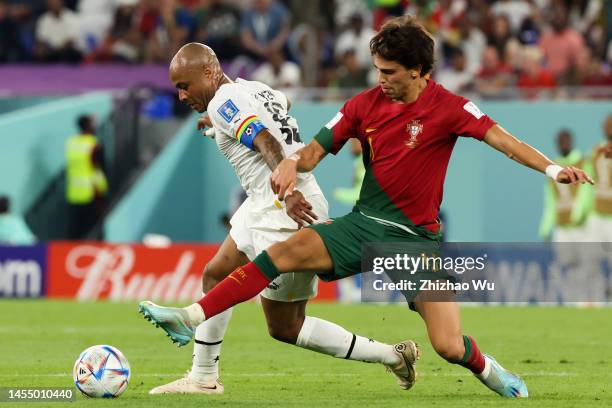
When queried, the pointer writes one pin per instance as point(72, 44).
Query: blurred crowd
point(483, 46)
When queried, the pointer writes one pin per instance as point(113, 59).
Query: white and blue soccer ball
point(101, 372)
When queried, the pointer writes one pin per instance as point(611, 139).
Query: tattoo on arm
point(270, 149)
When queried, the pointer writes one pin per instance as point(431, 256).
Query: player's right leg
point(203, 378)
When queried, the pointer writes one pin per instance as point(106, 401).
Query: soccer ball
point(101, 372)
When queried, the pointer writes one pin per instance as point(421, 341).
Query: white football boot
point(186, 385)
point(404, 371)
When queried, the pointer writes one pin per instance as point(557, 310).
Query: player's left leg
point(288, 322)
point(444, 330)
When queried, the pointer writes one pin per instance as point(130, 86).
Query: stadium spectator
point(532, 76)
point(278, 73)
point(10, 41)
point(94, 18)
point(57, 34)
point(559, 199)
point(13, 228)
point(494, 76)
point(357, 38)
point(86, 185)
point(384, 9)
point(582, 14)
point(515, 10)
point(124, 41)
point(596, 200)
point(350, 73)
point(530, 30)
point(500, 34)
point(220, 29)
point(265, 28)
point(456, 77)
point(595, 72)
point(563, 47)
point(164, 29)
point(473, 42)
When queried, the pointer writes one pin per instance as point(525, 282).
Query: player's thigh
point(443, 322)
point(284, 319)
point(288, 287)
point(304, 251)
point(227, 258)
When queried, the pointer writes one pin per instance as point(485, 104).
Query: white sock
point(328, 338)
point(195, 313)
point(487, 369)
point(207, 347)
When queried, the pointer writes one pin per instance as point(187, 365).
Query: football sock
point(207, 347)
point(328, 338)
point(241, 285)
point(473, 358)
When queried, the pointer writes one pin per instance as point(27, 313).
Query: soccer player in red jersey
point(408, 127)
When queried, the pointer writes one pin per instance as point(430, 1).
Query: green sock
point(266, 266)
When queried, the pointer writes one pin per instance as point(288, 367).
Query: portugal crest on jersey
point(414, 129)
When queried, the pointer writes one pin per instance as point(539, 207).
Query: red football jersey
point(406, 150)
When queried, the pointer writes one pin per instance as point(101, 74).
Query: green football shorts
point(343, 237)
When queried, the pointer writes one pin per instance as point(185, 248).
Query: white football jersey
point(239, 109)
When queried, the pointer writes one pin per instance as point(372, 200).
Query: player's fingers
point(311, 214)
point(304, 216)
point(282, 192)
point(290, 188)
point(571, 175)
point(306, 204)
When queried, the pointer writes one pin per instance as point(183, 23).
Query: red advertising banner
point(132, 272)
point(91, 271)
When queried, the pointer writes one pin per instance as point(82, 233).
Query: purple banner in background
point(23, 271)
point(69, 79)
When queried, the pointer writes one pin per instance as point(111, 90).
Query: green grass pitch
point(564, 354)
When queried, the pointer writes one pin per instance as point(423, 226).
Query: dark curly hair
point(404, 40)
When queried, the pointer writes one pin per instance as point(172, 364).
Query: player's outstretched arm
point(284, 177)
point(500, 139)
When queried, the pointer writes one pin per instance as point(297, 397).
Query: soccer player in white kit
point(253, 129)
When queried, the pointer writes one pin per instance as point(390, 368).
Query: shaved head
point(194, 55)
point(196, 73)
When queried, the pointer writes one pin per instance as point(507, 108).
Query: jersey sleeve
point(235, 117)
point(469, 120)
point(339, 129)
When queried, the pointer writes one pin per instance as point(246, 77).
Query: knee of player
point(287, 256)
point(210, 278)
point(451, 350)
point(287, 332)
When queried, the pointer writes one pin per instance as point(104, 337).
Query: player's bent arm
point(269, 148)
point(309, 156)
point(500, 139)
point(284, 177)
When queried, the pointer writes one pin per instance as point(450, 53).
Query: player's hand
point(204, 122)
point(283, 178)
point(573, 175)
point(205, 125)
point(299, 209)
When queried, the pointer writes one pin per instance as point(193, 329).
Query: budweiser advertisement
point(92, 271)
point(131, 272)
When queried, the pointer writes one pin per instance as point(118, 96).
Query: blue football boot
point(173, 320)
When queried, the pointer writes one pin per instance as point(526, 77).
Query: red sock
point(473, 358)
point(241, 285)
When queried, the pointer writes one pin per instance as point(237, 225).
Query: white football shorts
point(256, 226)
